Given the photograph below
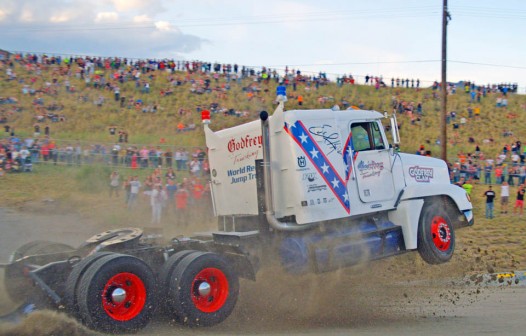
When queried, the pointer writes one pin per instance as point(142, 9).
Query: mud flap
point(18, 311)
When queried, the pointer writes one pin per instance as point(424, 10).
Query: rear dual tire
point(202, 289)
point(116, 294)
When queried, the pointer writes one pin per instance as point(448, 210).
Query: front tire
point(203, 289)
point(117, 294)
point(436, 236)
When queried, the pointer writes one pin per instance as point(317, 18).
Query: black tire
point(39, 247)
point(98, 308)
point(170, 265)
point(195, 308)
point(22, 250)
point(73, 280)
point(436, 236)
point(18, 286)
point(167, 271)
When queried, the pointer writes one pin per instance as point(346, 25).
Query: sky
point(391, 38)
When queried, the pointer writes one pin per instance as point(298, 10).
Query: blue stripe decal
point(317, 157)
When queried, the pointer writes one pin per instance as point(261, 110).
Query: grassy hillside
point(86, 121)
point(498, 244)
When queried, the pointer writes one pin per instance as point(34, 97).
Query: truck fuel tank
point(339, 246)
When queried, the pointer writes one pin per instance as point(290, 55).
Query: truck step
point(235, 238)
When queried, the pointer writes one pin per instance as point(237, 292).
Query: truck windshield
point(366, 136)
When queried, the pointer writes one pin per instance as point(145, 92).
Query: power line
point(246, 20)
point(489, 64)
point(356, 63)
point(383, 13)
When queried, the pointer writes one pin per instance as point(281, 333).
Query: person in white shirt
point(158, 198)
point(504, 197)
point(24, 153)
point(134, 191)
point(515, 158)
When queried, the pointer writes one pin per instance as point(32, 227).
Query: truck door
point(371, 162)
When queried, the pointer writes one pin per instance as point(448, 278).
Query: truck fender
point(458, 195)
point(407, 215)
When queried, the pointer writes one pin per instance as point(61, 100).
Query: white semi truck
point(314, 190)
point(322, 178)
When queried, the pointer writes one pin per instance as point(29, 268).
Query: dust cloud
point(393, 290)
point(46, 323)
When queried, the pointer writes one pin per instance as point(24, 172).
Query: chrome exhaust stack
point(267, 176)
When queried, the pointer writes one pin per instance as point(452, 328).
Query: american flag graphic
point(347, 153)
point(317, 157)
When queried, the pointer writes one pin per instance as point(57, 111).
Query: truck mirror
point(394, 130)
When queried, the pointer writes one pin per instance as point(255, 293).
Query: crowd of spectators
point(19, 155)
point(133, 84)
point(162, 191)
point(509, 165)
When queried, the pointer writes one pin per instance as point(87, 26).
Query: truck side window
point(377, 137)
point(360, 137)
point(366, 136)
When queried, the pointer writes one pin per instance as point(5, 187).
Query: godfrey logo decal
point(244, 142)
point(421, 174)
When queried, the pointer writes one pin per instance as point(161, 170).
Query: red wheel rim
point(124, 296)
point(209, 290)
point(441, 233)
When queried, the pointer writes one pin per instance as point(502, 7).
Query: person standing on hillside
point(181, 202)
point(114, 183)
point(184, 159)
point(487, 173)
point(498, 175)
point(468, 186)
point(144, 154)
point(134, 191)
point(490, 196)
point(178, 156)
point(504, 197)
point(127, 189)
point(171, 189)
point(519, 203)
point(158, 198)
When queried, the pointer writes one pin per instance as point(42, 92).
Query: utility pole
point(443, 125)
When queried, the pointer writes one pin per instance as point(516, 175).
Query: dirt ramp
point(46, 323)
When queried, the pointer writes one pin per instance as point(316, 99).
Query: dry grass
point(497, 244)
point(87, 122)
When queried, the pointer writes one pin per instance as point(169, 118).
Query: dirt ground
point(398, 296)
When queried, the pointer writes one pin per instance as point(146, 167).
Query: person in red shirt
point(198, 189)
point(44, 151)
point(181, 204)
point(498, 174)
point(519, 203)
point(181, 198)
point(300, 100)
